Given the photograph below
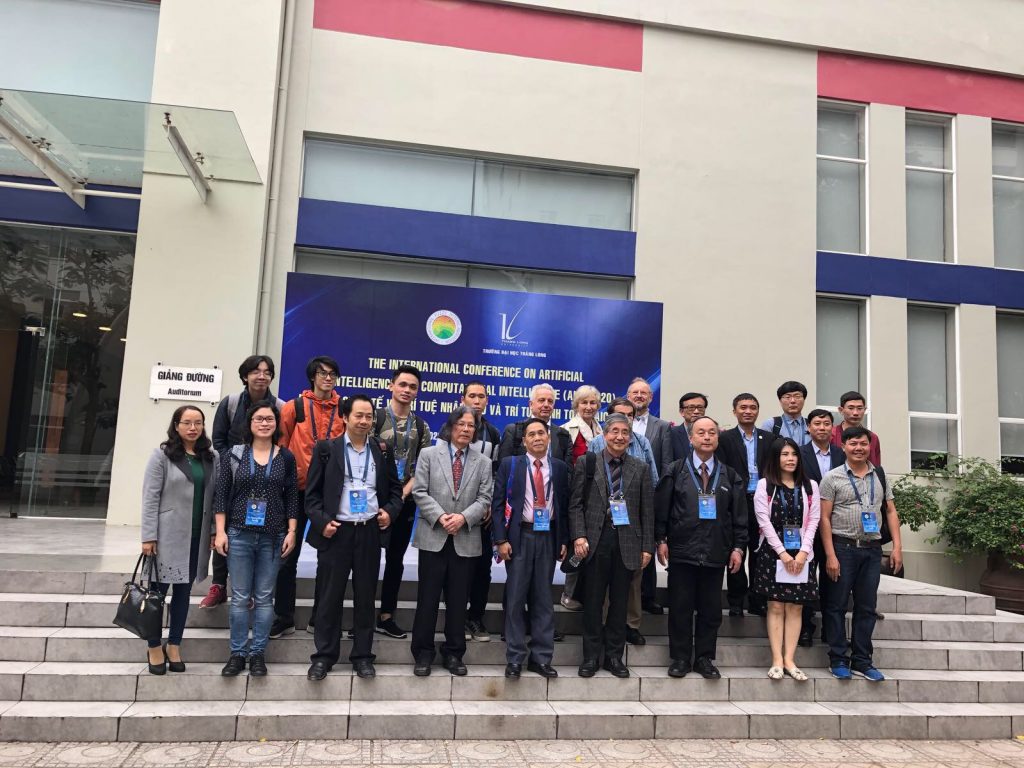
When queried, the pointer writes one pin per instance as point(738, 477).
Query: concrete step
point(112, 644)
point(895, 595)
point(191, 721)
point(98, 681)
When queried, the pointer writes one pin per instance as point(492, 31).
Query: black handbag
point(141, 608)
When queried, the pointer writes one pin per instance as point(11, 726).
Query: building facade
point(815, 192)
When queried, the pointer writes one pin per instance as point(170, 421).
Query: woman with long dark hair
point(255, 509)
point(177, 522)
point(788, 508)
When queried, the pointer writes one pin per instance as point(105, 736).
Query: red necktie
point(538, 485)
point(457, 470)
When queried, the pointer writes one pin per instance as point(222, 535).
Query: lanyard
point(849, 476)
point(547, 485)
point(714, 480)
point(394, 428)
point(789, 431)
point(252, 463)
point(790, 513)
point(312, 420)
point(366, 461)
point(611, 489)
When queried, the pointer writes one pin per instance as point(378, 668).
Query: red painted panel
point(481, 26)
point(920, 86)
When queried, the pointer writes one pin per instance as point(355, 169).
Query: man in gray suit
point(453, 492)
point(659, 434)
point(612, 527)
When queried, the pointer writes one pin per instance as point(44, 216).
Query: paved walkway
point(665, 753)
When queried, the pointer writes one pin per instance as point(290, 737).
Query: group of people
point(795, 512)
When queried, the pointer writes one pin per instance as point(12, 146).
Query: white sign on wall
point(167, 382)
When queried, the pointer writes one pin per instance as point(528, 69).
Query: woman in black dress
point(788, 508)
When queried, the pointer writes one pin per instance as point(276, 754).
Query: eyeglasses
point(327, 375)
point(190, 424)
point(263, 374)
point(693, 408)
point(263, 419)
point(792, 396)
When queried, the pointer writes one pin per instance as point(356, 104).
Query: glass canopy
point(109, 141)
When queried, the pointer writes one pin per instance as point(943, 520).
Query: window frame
point(864, 356)
point(862, 110)
point(1000, 419)
point(953, 332)
point(948, 122)
point(1019, 127)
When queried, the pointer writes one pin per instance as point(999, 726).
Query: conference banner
point(506, 339)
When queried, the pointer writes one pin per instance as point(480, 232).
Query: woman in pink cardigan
point(788, 508)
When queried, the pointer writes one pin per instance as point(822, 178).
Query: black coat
point(512, 442)
point(733, 451)
point(690, 539)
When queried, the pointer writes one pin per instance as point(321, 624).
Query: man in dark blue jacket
point(530, 528)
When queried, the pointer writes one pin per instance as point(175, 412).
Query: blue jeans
point(254, 559)
point(859, 573)
point(179, 598)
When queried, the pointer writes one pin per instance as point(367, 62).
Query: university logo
point(444, 327)
point(508, 334)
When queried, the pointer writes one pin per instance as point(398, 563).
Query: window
point(841, 178)
point(1008, 194)
point(425, 181)
point(840, 349)
point(929, 153)
point(406, 270)
point(931, 358)
point(1010, 367)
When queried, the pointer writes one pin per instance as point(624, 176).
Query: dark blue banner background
point(370, 326)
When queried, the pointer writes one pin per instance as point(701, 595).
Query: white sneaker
point(569, 604)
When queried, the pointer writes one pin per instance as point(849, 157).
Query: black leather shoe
point(616, 667)
point(257, 665)
point(173, 666)
point(513, 670)
point(653, 608)
point(364, 668)
point(706, 669)
point(758, 610)
point(734, 611)
point(454, 665)
point(679, 669)
point(317, 671)
point(588, 668)
point(234, 667)
point(422, 667)
point(544, 670)
point(806, 639)
point(633, 637)
point(559, 636)
point(161, 668)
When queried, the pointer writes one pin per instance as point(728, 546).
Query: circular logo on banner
point(444, 327)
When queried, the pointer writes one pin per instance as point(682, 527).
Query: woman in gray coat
point(177, 522)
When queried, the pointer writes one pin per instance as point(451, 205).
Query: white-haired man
point(542, 405)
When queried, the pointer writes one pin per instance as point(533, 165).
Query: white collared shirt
point(640, 424)
point(353, 481)
point(528, 497)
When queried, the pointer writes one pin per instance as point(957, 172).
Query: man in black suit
point(692, 406)
point(530, 528)
point(542, 405)
point(612, 528)
point(352, 494)
point(745, 449)
point(818, 458)
point(701, 529)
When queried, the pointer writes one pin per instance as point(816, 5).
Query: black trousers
point(824, 584)
point(356, 550)
point(737, 584)
point(398, 543)
point(284, 593)
point(649, 584)
point(693, 588)
point(445, 571)
point(605, 573)
point(480, 577)
point(220, 569)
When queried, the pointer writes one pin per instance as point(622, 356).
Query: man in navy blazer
point(692, 406)
point(530, 529)
point(815, 456)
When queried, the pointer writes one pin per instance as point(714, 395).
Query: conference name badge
point(400, 466)
point(256, 513)
point(707, 506)
point(869, 521)
point(791, 536)
point(620, 514)
point(541, 519)
point(357, 501)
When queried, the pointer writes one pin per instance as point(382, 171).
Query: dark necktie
point(457, 470)
point(538, 485)
point(615, 465)
point(704, 476)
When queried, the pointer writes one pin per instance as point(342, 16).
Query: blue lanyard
point(611, 489)
point(252, 463)
point(714, 480)
point(394, 428)
point(849, 476)
point(547, 485)
point(790, 512)
point(312, 420)
point(366, 462)
point(789, 431)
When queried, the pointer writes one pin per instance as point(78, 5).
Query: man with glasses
point(692, 406)
point(853, 407)
point(791, 423)
point(309, 418)
point(256, 373)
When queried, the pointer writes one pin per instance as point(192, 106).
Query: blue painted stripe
point(469, 239)
point(856, 275)
point(30, 207)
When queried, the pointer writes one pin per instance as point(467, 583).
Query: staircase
point(955, 669)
